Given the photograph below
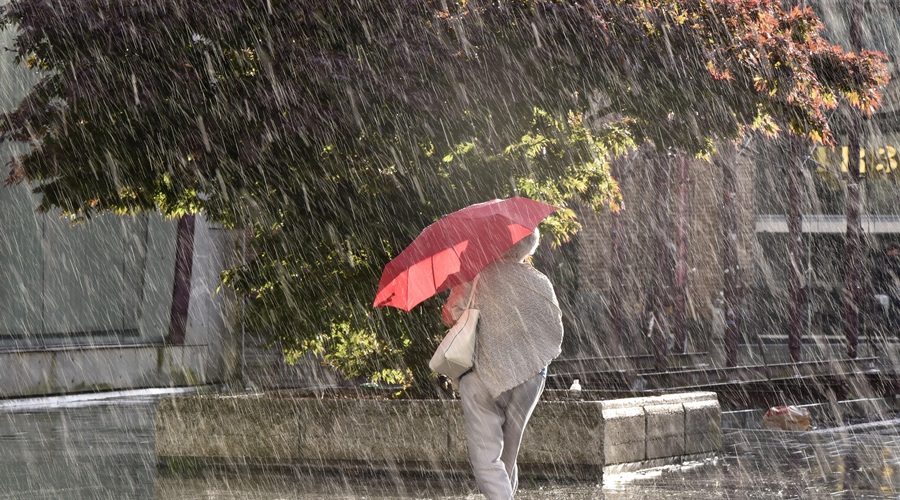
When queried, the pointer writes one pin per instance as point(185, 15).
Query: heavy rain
point(235, 234)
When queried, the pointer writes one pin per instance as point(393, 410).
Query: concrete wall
point(564, 438)
point(107, 281)
point(210, 353)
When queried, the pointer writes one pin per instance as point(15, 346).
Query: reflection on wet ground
point(781, 464)
point(106, 450)
point(78, 453)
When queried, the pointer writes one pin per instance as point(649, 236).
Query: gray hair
point(525, 247)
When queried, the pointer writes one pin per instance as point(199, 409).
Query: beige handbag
point(456, 354)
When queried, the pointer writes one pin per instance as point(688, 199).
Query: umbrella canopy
point(456, 248)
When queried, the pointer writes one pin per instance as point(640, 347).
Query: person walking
point(519, 332)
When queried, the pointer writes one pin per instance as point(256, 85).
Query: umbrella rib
point(433, 275)
point(452, 247)
point(458, 258)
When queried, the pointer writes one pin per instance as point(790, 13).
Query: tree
point(337, 130)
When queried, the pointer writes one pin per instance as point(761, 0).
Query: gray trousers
point(494, 429)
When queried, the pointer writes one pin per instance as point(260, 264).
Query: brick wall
point(596, 283)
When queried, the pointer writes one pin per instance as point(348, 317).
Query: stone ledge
point(625, 434)
point(563, 439)
point(665, 430)
point(73, 370)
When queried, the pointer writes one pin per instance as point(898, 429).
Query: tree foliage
point(335, 131)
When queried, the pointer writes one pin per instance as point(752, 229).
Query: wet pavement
point(105, 449)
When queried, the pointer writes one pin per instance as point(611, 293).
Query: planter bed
point(565, 439)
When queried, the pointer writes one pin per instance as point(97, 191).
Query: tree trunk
point(679, 312)
point(181, 288)
point(617, 273)
point(796, 251)
point(731, 279)
point(660, 265)
point(853, 242)
point(852, 260)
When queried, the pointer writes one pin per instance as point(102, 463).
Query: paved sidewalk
point(97, 449)
point(756, 464)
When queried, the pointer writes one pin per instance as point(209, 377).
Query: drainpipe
point(181, 288)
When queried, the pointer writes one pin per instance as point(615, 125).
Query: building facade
point(698, 197)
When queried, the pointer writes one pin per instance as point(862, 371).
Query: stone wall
point(564, 438)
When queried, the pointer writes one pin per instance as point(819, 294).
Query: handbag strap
point(472, 294)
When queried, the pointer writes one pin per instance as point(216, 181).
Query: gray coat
point(520, 324)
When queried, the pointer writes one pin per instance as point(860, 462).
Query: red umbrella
point(456, 248)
